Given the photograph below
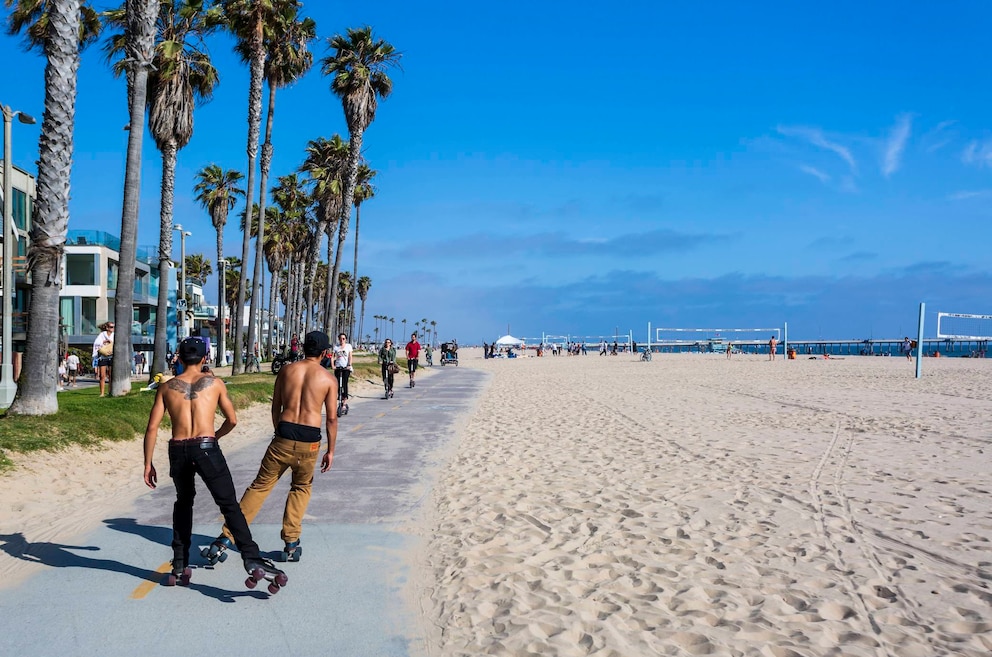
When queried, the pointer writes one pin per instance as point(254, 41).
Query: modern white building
point(89, 289)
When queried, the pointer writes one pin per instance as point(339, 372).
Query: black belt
point(202, 443)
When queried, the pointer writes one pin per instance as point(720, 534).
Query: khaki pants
point(282, 454)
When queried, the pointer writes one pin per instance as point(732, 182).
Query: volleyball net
point(963, 326)
point(693, 336)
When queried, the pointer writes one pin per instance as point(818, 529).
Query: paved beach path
point(348, 596)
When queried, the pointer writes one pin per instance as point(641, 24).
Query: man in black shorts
point(412, 352)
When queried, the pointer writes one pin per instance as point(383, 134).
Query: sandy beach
point(699, 506)
point(687, 506)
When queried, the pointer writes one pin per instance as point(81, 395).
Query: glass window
point(88, 317)
point(80, 269)
point(67, 314)
point(112, 268)
point(19, 210)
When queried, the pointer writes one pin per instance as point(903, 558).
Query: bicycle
point(646, 356)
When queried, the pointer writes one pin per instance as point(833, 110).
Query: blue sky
point(576, 167)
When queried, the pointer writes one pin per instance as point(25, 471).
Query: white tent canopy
point(509, 341)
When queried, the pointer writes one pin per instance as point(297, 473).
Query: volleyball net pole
point(919, 342)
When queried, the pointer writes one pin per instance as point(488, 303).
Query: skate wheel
point(281, 580)
point(297, 554)
point(185, 577)
point(205, 553)
point(273, 588)
point(250, 583)
point(282, 557)
point(222, 557)
point(170, 580)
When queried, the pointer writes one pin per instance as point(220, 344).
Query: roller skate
point(292, 552)
point(340, 409)
point(263, 569)
point(216, 551)
point(180, 574)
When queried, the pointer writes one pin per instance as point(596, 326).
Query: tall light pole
point(8, 389)
point(221, 329)
point(182, 255)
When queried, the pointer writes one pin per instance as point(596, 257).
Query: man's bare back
point(191, 400)
point(304, 391)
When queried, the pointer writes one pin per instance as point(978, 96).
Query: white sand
point(699, 506)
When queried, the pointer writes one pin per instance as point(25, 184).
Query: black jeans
point(387, 377)
point(342, 374)
point(190, 458)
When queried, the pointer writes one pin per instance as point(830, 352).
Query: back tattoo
point(189, 392)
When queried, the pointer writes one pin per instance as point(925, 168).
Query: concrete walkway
point(102, 596)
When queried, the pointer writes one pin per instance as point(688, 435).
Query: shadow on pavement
point(56, 555)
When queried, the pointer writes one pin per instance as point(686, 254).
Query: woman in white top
point(103, 363)
point(342, 371)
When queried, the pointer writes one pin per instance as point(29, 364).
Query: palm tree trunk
point(140, 35)
point(273, 305)
point(256, 296)
point(256, 67)
point(354, 273)
point(290, 303)
point(330, 298)
point(221, 273)
point(361, 322)
point(347, 194)
point(36, 393)
point(159, 364)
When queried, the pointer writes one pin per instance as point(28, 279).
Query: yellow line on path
point(355, 428)
point(380, 415)
point(146, 587)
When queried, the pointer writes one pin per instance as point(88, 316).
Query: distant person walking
point(387, 359)
point(907, 348)
point(412, 353)
point(730, 350)
point(602, 348)
point(772, 345)
point(103, 354)
point(342, 371)
point(72, 365)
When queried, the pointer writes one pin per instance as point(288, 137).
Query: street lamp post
point(221, 329)
point(8, 389)
point(182, 255)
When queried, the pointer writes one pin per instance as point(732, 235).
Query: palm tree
point(276, 247)
point(345, 293)
point(358, 77)
point(217, 191)
point(197, 268)
point(324, 163)
point(291, 197)
point(288, 58)
point(364, 284)
point(403, 323)
point(423, 326)
point(433, 332)
point(182, 74)
point(248, 21)
point(139, 41)
point(59, 29)
point(364, 190)
point(392, 328)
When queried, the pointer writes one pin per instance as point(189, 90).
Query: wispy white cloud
point(896, 144)
point(978, 153)
point(816, 173)
point(964, 195)
point(816, 137)
point(938, 137)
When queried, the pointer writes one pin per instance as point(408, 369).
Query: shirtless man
point(303, 391)
point(772, 345)
point(192, 399)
